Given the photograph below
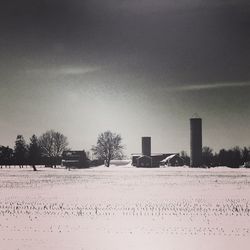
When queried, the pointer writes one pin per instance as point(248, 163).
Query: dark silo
point(195, 142)
point(146, 146)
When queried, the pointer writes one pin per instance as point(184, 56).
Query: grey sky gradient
point(139, 67)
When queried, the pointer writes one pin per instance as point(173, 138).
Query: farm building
point(172, 160)
point(146, 159)
point(154, 160)
point(134, 159)
point(75, 159)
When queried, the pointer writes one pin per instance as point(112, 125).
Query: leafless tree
point(108, 147)
point(207, 155)
point(53, 144)
point(60, 143)
point(185, 157)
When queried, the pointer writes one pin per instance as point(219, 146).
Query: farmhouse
point(75, 159)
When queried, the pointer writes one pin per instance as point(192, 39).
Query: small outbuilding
point(172, 160)
point(134, 159)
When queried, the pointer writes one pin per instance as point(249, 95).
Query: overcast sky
point(135, 67)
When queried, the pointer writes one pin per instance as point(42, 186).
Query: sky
point(135, 67)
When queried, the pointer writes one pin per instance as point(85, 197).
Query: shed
point(172, 160)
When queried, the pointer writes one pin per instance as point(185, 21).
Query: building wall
point(176, 161)
point(76, 159)
point(157, 158)
point(134, 159)
point(144, 161)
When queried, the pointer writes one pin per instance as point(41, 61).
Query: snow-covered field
point(125, 208)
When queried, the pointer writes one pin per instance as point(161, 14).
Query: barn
point(172, 160)
point(147, 159)
point(75, 159)
point(144, 161)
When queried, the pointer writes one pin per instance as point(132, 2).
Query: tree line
point(43, 150)
point(233, 157)
point(47, 150)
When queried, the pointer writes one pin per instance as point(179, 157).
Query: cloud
point(198, 87)
point(64, 71)
point(204, 41)
point(75, 71)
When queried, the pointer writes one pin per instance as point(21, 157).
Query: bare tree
point(108, 147)
point(46, 143)
point(245, 154)
point(60, 143)
point(53, 144)
point(185, 157)
point(207, 156)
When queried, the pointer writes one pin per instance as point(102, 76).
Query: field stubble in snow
point(125, 208)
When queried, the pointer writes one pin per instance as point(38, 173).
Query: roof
point(145, 156)
point(169, 157)
point(152, 154)
point(67, 161)
point(72, 151)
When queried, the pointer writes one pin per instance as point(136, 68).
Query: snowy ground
point(125, 208)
